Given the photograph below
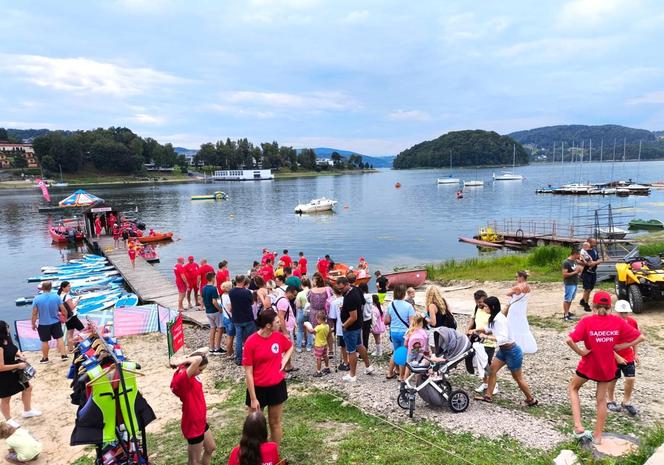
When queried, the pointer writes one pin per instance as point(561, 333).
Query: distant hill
point(467, 148)
point(546, 136)
point(27, 135)
point(384, 161)
point(185, 151)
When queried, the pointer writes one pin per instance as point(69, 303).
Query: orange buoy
point(397, 185)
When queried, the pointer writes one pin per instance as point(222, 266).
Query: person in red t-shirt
point(191, 269)
point(287, 261)
point(254, 447)
point(323, 266)
point(223, 275)
point(627, 360)
point(266, 353)
point(203, 270)
point(302, 263)
point(180, 282)
point(132, 254)
point(267, 271)
point(602, 334)
point(187, 385)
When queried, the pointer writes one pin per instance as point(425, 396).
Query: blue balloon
point(400, 356)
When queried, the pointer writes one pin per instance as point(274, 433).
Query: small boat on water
point(149, 254)
point(473, 183)
point(509, 175)
point(341, 269)
point(646, 224)
point(156, 237)
point(316, 205)
point(218, 195)
point(411, 278)
point(448, 180)
point(480, 243)
point(61, 235)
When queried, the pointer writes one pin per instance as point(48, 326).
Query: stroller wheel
point(411, 406)
point(402, 400)
point(458, 401)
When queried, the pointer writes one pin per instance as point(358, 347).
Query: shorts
point(581, 375)
point(341, 342)
point(353, 339)
point(269, 396)
point(199, 439)
point(320, 352)
point(628, 370)
point(570, 292)
point(381, 297)
point(228, 326)
point(193, 287)
point(48, 332)
point(74, 323)
point(397, 339)
point(513, 357)
point(589, 280)
point(214, 319)
point(182, 287)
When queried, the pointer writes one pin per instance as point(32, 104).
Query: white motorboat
point(473, 183)
point(508, 175)
point(448, 180)
point(316, 205)
point(611, 233)
point(638, 189)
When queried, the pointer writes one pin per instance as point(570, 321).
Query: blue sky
point(370, 76)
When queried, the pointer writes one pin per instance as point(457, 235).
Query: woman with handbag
point(11, 383)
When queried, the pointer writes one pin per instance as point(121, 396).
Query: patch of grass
point(544, 264)
point(651, 249)
point(549, 322)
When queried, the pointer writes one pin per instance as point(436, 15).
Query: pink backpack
point(377, 323)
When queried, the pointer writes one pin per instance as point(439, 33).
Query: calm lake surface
point(418, 223)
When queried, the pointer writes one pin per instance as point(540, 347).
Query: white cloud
point(408, 115)
point(467, 26)
point(84, 75)
point(237, 110)
point(144, 118)
point(649, 98)
point(552, 49)
point(26, 125)
point(281, 4)
point(311, 101)
point(357, 16)
point(591, 12)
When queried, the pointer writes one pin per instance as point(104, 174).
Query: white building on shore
point(243, 175)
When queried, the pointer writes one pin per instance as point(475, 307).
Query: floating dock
point(145, 280)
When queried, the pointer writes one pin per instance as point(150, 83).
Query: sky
point(373, 77)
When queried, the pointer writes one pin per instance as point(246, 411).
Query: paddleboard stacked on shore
point(96, 283)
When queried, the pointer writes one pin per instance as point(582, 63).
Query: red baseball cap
point(191, 257)
point(602, 298)
point(361, 259)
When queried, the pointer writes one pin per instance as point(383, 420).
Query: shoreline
point(22, 185)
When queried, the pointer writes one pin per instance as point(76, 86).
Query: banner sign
point(175, 335)
point(101, 209)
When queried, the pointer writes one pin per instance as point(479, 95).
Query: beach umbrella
point(80, 198)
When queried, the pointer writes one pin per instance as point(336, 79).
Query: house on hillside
point(11, 150)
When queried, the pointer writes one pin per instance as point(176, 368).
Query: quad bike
point(640, 279)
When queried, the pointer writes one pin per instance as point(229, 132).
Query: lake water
point(418, 223)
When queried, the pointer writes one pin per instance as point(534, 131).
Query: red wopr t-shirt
point(286, 260)
point(194, 409)
point(222, 277)
point(303, 265)
point(179, 270)
point(191, 270)
point(265, 355)
point(203, 270)
point(266, 272)
point(323, 267)
point(628, 354)
point(269, 454)
point(600, 334)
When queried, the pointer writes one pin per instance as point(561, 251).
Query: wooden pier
point(145, 281)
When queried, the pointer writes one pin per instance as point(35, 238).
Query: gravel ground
point(547, 371)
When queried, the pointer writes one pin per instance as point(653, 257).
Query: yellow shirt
point(481, 320)
point(322, 331)
point(25, 446)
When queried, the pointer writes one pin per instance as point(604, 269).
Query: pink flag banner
point(44, 189)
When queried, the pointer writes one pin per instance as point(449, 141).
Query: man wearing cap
point(602, 334)
point(191, 272)
point(180, 282)
point(627, 360)
point(571, 272)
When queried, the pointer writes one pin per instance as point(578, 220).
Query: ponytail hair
point(376, 302)
point(63, 284)
point(254, 433)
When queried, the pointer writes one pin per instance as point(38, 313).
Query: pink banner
point(44, 189)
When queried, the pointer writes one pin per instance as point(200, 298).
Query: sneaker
point(587, 308)
point(629, 408)
point(318, 374)
point(221, 350)
point(343, 367)
point(571, 315)
point(481, 388)
point(298, 350)
point(369, 370)
point(326, 371)
point(374, 354)
point(308, 349)
point(568, 317)
point(215, 352)
point(31, 413)
point(349, 379)
point(64, 357)
point(613, 407)
point(44, 360)
point(583, 436)
point(582, 303)
point(495, 389)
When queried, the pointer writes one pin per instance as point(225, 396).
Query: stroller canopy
point(80, 198)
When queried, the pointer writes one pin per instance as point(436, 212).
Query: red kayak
point(411, 278)
point(157, 237)
point(61, 235)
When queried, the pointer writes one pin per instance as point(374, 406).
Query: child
point(132, 254)
point(378, 325)
point(627, 360)
point(116, 236)
point(23, 447)
point(416, 340)
point(323, 336)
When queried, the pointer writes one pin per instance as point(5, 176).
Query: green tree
point(3, 134)
point(19, 161)
point(336, 159)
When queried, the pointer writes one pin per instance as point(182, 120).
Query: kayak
point(646, 224)
point(214, 196)
point(73, 276)
point(91, 270)
point(127, 300)
point(74, 266)
point(168, 236)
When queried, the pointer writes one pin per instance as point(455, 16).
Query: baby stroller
point(431, 379)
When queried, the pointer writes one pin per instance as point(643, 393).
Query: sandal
point(392, 376)
point(532, 402)
point(584, 435)
point(486, 399)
